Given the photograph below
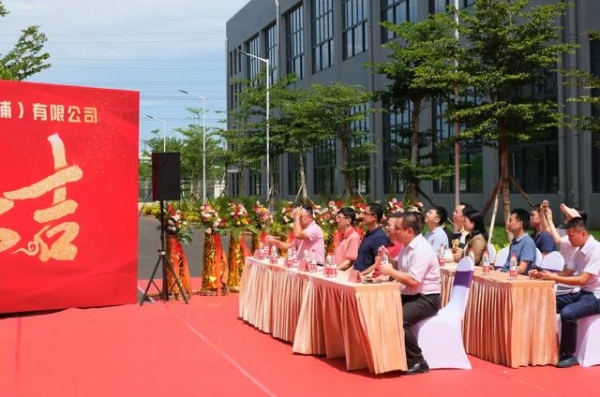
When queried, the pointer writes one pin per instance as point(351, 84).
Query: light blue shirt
point(524, 249)
point(437, 237)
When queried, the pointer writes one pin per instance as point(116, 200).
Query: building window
point(534, 164)
point(295, 42)
point(322, 34)
point(234, 184)
point(596, 162)
point(253, 64)
point(467, 3)
point(238, 63)
point(271, 50)
point(293, 174)
point(360, 161)
point(595, 112)
point(439, 6)
point(354, 27)
point(324, 167)
point(396, 145)
point(396, 12)
point(255, 178)
point(471, 177)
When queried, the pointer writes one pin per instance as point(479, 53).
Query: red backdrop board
point(68, 196)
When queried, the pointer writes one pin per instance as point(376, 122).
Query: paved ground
point(149, 244)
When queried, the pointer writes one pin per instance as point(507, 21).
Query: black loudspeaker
point(166, 176)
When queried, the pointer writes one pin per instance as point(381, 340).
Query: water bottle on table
point(514, 268)
point(485, 262)
point(442, 255)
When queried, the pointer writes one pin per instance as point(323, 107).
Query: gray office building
point(324, 41)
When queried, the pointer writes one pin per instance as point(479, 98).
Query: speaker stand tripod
point(167, 266)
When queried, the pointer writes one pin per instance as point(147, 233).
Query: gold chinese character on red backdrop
point(54, 240)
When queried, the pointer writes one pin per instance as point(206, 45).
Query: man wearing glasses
point(308, 236)
point(374, 238)
point(347, 248)
point(417, 268)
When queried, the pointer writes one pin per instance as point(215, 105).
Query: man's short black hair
point(442, 214)
point(522, 216)
point(577, 223)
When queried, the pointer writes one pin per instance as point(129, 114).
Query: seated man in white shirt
point(582, 271)
point(418, 269)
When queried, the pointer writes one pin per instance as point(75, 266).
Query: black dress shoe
point(566, 361)
point(419, 368)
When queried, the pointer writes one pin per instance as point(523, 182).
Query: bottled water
point(513, 267)
point(485, 262)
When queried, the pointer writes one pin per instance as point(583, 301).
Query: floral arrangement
point(394, 205)
point(325, 216)
point(236, 219)
point(211, 219)
point(285, 215)
point(176, 225)
point(261, 216)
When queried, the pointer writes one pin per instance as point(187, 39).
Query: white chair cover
point(538, 257)
point(588, 340)
point(440, 336)
point(501, 257)
point(553, 262)
point(491, 252)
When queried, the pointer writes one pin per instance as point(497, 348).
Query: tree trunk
point(302, 175)
point(345, 143)
point(412, 188)
point(504, 178)
point(271, 197)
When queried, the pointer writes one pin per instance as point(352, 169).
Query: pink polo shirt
point(347, 247)
point(315, 241)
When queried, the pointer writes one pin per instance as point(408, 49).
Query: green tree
point(591, 83)
point(249, 121)
point(420, 69)
point(338, 111)
point(26, 57)
point(511, 45)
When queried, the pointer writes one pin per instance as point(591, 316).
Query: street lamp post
point(203, 99)
point(268, 86)
point(164, 123)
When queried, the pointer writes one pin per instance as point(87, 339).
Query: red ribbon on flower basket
point(238, 250)
point(214, 273)
point(258, 238)
point(290, 236)
point(178, 259)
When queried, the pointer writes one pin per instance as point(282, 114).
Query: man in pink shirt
point(308, 236)
point(347, 248)
point(419, 272)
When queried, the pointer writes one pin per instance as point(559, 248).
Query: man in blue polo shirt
point(374, 238)
point(522, 246)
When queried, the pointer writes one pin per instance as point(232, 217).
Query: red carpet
point(201, 349)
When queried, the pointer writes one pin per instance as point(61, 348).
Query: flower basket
point(178, 259)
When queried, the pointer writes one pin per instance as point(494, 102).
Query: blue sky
point(156, 47)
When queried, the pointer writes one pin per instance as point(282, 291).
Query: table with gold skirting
point(511, 322)
point(447, 273)
point(326, 316)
